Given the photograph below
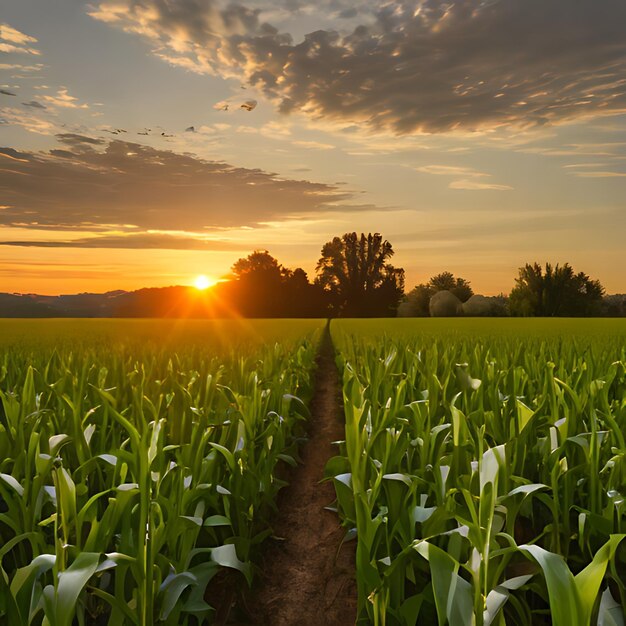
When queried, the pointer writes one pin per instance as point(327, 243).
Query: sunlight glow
point(202, 283)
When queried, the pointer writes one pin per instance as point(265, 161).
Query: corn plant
point(133, 472)
point(483, 472)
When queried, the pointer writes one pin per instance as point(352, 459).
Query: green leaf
point(23, 584)
point(172, 588)
point(589, 580)
point(13, 483)
point(226, 556)
point(492, 460)
point(217, 520)
point(453, 594)
point(565, 604)
point(70, 584)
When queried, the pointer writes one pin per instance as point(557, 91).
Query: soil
point(308, 576)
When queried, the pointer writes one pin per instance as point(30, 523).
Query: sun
point(202, 283)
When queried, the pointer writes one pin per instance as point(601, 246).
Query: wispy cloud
point(30, 120)
point(15, 41)
point(589, 149)
point(314, 145)
point(449, 170)
point(144, 241)
point(600, 174)
point(21, 68)
point(474, 185)
point(468, 180)
point(64, 100)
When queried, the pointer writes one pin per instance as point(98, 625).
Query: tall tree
point(355, 271)
point(556, 291)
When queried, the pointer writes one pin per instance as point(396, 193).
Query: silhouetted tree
point(262, 287)
point(447, 282)
point(256, 290)
point(556, 292)
point(260, 264)
point(614, 305)
point(355, 271)
point(417, 300)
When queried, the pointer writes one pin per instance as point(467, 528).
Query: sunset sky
point(475, 136)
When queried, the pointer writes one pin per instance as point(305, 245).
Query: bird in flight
point(190, 129)
point(7, 93)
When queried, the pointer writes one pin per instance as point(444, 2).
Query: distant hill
point(223, 300)
point(177, 301)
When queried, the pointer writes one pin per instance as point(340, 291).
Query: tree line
point(354, 277)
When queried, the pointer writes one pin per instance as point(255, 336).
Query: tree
point(556, 292)
point(355, 271)
point(259, 263)
point(417, 300)
point(262, 287)
point(447, 282)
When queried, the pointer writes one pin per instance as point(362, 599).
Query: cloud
point(89, 184)
point(605, 149)
point(64, 100)
point(449, 170)
point(600, 174)
point(22, 68)
point(152, 241)
point(29, 121)
point(474, 185)
point(34, 104)
point(468, 181)
point(13, 35)
point(14, 41)
point(314, 145)
point(79, 141)
point(410, 67)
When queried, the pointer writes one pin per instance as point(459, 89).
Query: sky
point(476, 136)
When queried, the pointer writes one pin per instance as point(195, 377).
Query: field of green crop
point(137, 461)
point(484, 470)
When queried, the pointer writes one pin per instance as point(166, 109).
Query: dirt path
point(308, 580)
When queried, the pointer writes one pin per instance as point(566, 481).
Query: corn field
point(482, 475)
point(483, 470)
point(138, 462)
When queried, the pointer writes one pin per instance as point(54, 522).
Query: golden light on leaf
point(202, 283)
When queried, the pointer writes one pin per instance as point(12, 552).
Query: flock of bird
point(248, 105)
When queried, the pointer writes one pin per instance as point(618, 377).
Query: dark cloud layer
point(91, 184)
point(146, 241)
point(427, 66)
